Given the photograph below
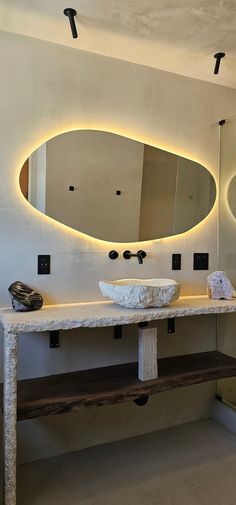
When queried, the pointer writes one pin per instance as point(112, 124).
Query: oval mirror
point(116, 189)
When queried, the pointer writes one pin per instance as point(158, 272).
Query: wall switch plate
point(43, 264)
point(176, 261)
point(200, 261)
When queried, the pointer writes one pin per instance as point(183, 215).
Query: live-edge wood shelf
point(58, 394)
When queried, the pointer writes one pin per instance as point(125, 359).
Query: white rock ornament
point(219, 286)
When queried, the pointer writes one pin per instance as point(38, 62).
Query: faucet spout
point(140, 258)
point(140, 255)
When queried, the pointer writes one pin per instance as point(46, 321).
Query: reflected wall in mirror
point(116, 189)
point(232, 195)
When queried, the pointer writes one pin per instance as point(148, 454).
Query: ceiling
point(180, 36)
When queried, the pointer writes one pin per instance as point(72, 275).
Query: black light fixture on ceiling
point(218, 57)
point(71, 13)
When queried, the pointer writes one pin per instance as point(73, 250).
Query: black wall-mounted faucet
point(140, 255)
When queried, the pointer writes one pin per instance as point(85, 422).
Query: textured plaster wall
point(180, 36)
point(46, 89)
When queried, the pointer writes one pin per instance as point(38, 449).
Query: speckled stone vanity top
point(95, 314)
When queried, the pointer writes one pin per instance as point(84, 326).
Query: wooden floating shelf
point(58, 394)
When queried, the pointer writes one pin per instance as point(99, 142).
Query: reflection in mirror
point(116, 189)
point(232, 195)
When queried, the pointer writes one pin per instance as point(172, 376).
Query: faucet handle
point(113, 255)
point(142, 253)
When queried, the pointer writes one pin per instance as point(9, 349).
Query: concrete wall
point(46, 89)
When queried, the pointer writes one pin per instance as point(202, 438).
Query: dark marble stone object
point(24, 298)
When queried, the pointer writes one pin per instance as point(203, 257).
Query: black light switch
point(200, 261)
point(176, 261)
point(43, 264)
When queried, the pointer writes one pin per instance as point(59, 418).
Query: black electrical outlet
point(176, 261)
point(200, 261)
point(43, 264)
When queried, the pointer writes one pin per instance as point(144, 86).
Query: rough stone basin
point(141, 293)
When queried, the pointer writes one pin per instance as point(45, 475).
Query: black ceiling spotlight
point(71, 13)
point(218, 57)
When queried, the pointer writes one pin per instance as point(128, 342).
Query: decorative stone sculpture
point(141, 293)
point(24, 298)
point(219, 286)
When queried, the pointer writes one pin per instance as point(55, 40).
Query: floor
point(192, 464)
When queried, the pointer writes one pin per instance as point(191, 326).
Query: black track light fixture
point(218, 57)
point(71, 13)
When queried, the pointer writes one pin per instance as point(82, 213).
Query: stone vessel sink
point(141, 293)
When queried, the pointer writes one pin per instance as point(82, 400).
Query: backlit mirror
point(116, 189)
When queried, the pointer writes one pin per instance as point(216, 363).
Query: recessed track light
point(218, 57)
point(71, 13)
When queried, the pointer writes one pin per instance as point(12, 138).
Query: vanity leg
point(147, 354)
point(10, 416)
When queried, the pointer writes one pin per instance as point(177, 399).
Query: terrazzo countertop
point(98, 314)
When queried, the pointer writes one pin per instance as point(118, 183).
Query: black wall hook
point(218, 57)
point(71, 13)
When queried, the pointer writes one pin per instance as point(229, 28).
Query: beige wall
point(45, 90)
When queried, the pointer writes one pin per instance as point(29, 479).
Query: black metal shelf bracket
point(118, 331)
point(171, 325)
point(143, 324)
point(54, 339)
